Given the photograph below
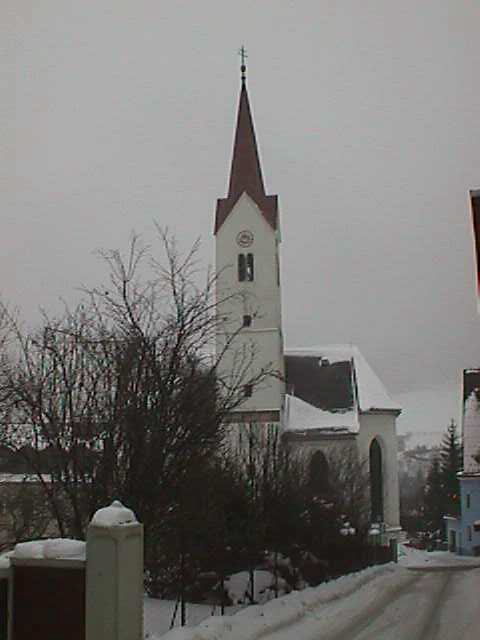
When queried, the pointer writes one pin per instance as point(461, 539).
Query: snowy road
point(423, 605)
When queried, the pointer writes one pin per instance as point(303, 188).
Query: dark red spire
point(246, 172)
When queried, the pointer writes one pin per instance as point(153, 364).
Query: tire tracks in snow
point(430, 628)
point(360, 623)
point(392, 616)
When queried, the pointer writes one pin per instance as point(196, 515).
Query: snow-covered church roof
point(328, 387)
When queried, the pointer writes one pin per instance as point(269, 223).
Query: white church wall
point(330, 447)
point(265, 349)
point(382, 427)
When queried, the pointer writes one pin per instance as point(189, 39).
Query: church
point(322, 397)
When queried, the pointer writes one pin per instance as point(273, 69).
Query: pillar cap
point(113, 516)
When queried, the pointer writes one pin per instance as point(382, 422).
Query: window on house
point(248, 390)
point(468, 500)
point(247, 320)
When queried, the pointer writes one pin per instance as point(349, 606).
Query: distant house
point(463, 533)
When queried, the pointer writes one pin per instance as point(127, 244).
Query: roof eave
point(268, 206)
point(376, 410)
point(318, 434)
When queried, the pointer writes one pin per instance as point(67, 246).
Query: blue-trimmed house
point(463, 532)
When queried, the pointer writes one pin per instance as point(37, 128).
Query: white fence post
point(114, 581)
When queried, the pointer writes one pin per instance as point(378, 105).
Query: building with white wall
point(463, 532)
point(321, 398)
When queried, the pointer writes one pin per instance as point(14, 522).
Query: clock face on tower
point(245, 238)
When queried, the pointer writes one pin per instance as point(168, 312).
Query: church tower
point(247, 239)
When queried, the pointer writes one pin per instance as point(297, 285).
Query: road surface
point(438, 604)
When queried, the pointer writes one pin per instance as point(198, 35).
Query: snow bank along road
point(429, 596)
point(438, 604)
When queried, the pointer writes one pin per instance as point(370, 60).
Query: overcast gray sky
point(116, 113)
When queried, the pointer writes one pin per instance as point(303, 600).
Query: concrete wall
point(55, 593)
point(48, 599)
point(260, 298)
point(114, 581)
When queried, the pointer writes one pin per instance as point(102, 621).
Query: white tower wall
point(259, 298)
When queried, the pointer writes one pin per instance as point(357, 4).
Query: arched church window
point(319, 483)
point(376, 481)
point(247, 320)
point(250, 267)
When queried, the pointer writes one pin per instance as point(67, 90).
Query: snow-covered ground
point(351, 607)
point(417, 559)
point(251, 621)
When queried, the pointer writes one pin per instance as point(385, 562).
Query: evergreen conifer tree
point(442, 493)
point(434, 497)
point(451, 464)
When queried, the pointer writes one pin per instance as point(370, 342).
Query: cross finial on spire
point(242, 52)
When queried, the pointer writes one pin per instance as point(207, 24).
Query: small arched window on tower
point(242, 267)
point(247, 320)
point(245, 267)
point(250, 267)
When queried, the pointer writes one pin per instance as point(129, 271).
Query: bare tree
point(23, 513)
point(350, 481)
point(124, 395)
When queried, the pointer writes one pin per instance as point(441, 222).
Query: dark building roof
point(246, 172)
point(327, 386)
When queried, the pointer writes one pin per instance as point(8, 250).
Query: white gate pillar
point(114, 580)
